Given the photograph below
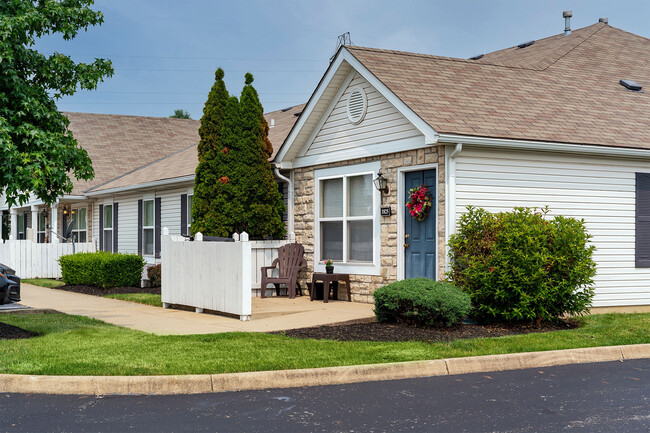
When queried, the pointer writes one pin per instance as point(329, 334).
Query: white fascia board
point(388, 147)
point(546, 146)
point(153, 184)
point(430, 135)
point(306, 112)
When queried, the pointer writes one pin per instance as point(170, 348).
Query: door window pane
point(331, 198)
point(81, 217)
point(147, 219)
point(148, 242)
point(41, 223)
point(360, 241)
point(331, 240)
point(108, 216)
point(74, 218)
point(81, 237)
point(360, 195)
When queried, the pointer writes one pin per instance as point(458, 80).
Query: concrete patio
point(269, 314)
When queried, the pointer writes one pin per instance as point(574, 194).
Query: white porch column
point(54, 223)
point(34, 223)
point(14, 224)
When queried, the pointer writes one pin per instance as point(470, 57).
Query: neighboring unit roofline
point(152, 184)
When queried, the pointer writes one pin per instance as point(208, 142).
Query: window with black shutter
point(642, 229)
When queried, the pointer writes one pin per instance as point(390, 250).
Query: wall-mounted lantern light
point(44, 213)
point(381, 183)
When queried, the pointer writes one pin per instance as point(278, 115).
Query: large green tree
point(234, 182)
point(37, 150)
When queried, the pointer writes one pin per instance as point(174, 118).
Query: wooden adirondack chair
point(290, 260)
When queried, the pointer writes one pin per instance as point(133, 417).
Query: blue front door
point(420, 236)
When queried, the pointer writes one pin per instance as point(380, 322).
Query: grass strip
point(43, 282)
point(74, 345)
point(140, 298)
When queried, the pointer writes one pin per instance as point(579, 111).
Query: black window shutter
point(101, 227)
point(140, 227)
point(642, 230)
point(184, 214)
point(25, 225)
point(115, 213)
point(157, 227)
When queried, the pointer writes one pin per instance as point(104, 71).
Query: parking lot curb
point(210, 383)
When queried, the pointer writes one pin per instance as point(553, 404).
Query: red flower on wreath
point(224, 179)
point(419, 203)
point(225, 150)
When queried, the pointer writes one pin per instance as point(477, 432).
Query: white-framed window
point(148, 227)
point(347, 226)
point(80, 224)
point(189, 213)
point(21, 235)
point(107, 230)
point(41, 229)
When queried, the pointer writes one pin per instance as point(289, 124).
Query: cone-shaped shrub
point(207, 171)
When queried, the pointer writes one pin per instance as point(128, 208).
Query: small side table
point(326, 279)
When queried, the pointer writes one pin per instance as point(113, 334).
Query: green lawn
point(73, 345)
point(43, 282)
point(141, 298)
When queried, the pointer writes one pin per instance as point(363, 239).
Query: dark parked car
point(9, 285)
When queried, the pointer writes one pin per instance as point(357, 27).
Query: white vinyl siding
point(600, 190)
point(382, 123)
point(170, 216)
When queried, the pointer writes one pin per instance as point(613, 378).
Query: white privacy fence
point(216, 276)
point(33, 260)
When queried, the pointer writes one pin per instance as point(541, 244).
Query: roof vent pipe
point(603, 20)
point(567, 22)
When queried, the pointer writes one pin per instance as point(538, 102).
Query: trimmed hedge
point(522, 265)
point(102, 269)
point(421, 301)
point(154, 274)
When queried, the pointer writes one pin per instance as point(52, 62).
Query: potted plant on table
point(329, 266)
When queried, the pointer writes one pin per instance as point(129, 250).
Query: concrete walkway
point(270, 314)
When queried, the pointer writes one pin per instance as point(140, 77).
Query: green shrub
point(153, 272)
point(102, 269)
point(421, 301)
point(521, 265)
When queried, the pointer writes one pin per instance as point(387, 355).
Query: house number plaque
point(385, 211)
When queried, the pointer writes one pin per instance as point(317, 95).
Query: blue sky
point(165, 52)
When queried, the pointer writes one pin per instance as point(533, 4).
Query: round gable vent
point(357, 105)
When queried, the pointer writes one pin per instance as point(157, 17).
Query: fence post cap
point(165, 231)
point(235, 236)
point(198, 237)
point(243, 237)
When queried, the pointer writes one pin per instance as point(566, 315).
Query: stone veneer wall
point(362, 286)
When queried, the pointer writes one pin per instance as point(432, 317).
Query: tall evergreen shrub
point(235, 183)
point(206, 182)
point(522, 265)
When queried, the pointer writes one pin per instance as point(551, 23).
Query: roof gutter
point(546, 146)
point(153, 184)
point(289, 181)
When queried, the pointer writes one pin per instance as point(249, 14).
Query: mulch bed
point(98, 291)
point(10, 332)
point(373, 331)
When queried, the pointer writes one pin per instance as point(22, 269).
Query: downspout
point(450, 196)
point(290, 232)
